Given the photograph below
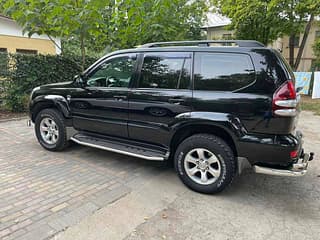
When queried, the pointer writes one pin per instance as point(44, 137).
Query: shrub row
point(19, 74)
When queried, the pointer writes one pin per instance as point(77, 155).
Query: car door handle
point(120, 97)
point(176, 100)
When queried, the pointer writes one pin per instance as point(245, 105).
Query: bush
point(19, 74)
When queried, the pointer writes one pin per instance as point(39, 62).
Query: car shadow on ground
point(265, 190)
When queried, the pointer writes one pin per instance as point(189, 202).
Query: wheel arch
point(49, 101)
point(197, 128)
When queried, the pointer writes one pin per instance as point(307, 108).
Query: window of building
point(3, 50)
point(222, 72)
point(166, 70)
point(26, 51)
point(227, 36)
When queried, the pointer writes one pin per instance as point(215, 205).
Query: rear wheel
point(205, 163)
point(51, 130)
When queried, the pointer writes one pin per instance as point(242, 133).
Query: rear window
point(286, 65)
point(271, 70)
point(222, 71)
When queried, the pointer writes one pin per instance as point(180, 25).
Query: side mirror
point(79, 80)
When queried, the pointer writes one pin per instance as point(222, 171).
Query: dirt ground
point(7, 115)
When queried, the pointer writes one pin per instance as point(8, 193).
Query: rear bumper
point(296, 170)
point(271, 150)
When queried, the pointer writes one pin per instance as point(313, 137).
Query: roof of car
point(201, 45)
point(188, 49)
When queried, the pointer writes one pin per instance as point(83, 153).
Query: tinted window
point(287, 67)
point(222, 72)
point(166, 70)
point(115, 72)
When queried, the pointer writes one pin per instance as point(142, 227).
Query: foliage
point(140, 21)
point(72, 47)
point(98, 26)
point(266, 20)
point(134, 22)
point(256, 19)
point(24, 72)
point(61, 18)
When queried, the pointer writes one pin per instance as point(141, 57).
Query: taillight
point(285, 100)
point(294, 154)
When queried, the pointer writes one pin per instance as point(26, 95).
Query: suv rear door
point(224, 83)
point(162, 92)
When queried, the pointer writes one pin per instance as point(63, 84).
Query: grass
point(309, 104)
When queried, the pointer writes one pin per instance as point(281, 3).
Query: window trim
point(139, 70)
point(96, 67)
point(226, 53)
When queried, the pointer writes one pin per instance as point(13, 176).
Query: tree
point(297, 16)
point(95, 25)
point(311, 8)
point(135, 22)
point(252, 19)
point(61, 18)
point(266, 20)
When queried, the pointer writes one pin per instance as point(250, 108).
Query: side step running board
point(120, 147)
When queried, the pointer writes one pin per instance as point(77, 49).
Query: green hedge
point(19, 74)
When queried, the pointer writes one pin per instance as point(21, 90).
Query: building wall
point(12, 43)
point(12, 38)
point(281, 44)
point(308, 55)
point(217, 32)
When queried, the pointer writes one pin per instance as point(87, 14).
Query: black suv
point(211, 107)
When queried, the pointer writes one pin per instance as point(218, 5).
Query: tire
point(58, 130)
point(205, 163)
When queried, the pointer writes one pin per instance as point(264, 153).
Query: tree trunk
point(291, 49)
point(83, 52)
point(303, 43)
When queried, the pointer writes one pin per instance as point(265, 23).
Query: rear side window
point(286, 65)
point(166, 70)
point(222, 71)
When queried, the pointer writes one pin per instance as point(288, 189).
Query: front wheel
point(205, 163)
point(51, 130)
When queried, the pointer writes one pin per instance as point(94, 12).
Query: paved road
point(86, 193)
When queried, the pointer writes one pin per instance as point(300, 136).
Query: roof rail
point(206, 43)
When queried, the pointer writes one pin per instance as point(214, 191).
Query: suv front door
point(162, 92)
point(102, 105)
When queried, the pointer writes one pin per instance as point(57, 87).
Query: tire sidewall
point(49, 114)
point(227, 171)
